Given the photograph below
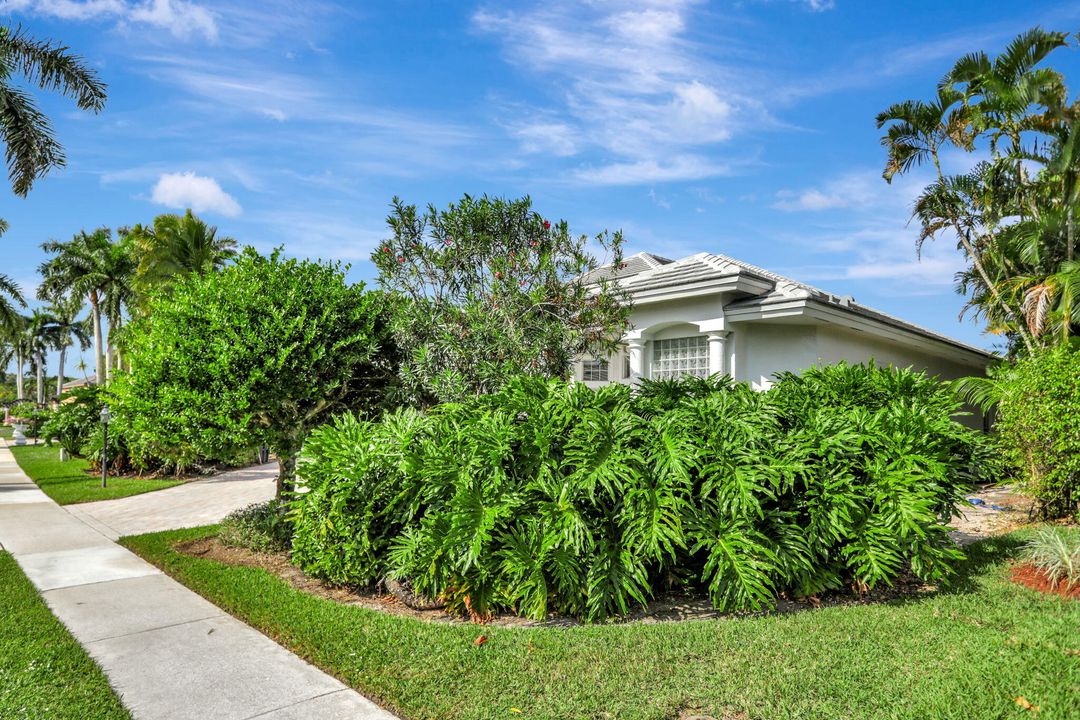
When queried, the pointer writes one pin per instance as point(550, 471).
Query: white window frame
point(675, 357)
point(600, 370)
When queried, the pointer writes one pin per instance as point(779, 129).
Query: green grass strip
point(966, 653)
point(44, 672)
point(68, 482)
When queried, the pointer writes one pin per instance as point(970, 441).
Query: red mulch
point(1032, 577)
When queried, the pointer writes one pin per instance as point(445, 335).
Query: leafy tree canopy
point(489, 288)
point(174, 245)
point(1013, 216)
point(255, 354)
point(31, 149)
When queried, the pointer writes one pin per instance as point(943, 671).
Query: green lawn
point(6, 431)
point(44, 673)
point(964, 654)
point(68, 482)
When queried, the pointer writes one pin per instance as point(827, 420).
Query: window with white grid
point(594, 370)
point(680, 356)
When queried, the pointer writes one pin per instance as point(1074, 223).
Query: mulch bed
point(1033, 578)
point(667, 608)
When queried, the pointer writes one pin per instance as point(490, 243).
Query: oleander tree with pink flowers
point(488, 289)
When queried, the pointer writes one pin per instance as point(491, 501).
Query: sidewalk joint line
point(298, 702)
point(161, 627)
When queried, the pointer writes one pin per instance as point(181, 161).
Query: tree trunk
point(286, 471)
point(40, 394)
point(60, 372)
point(976, 260)
point(99, 358)
point(20, 391)
point(108, 362)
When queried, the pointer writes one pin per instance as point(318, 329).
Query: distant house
point(709, 313)
point(80, 382)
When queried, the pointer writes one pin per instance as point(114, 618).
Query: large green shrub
point(76, 419)
point(262, 527)
point(1038, 424)
point(555, 497)
point(488, 289)
point(254, 354)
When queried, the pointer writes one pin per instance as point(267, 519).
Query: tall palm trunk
point(40, 362)
point(60, 372)
point(20, 361)
point(108, 361)
point(99, 357)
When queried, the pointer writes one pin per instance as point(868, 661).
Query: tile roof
point(646, 271)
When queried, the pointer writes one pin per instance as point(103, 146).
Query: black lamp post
point(104, 444)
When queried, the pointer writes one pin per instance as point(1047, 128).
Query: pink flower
point(400, 259)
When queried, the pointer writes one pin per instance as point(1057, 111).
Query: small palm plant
point(1057, 555)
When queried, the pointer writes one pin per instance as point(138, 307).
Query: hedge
point(550, 497)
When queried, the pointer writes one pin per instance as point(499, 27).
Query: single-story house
point(710, 313)
point(79, 382)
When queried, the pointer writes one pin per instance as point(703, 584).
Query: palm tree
point(917, 133)
point(118, 276)
point(1001, 92)
point(15, 337)
point(37, 340)
point(80, 266)
point(32, 150)
point(176, 245)
point(63, 329)
point(1000, 100)
point(11, 297)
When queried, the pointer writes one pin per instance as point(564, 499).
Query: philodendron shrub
point(553, 497)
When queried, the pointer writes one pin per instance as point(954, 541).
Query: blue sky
point(745, 128)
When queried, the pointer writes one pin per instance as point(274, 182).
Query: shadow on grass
point(982, 556)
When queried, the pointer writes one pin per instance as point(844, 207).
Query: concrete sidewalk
point(167, 652)
point(201, 502)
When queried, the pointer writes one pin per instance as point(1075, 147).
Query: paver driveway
point(202, 502)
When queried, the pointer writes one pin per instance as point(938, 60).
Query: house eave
point(737, 284)
point(855, 319)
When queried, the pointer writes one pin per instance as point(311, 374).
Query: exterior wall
point(835, 344)
point(687, 310)
point(762, 349)
point(753, 351)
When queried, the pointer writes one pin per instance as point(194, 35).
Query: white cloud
point(273, 114)
point(862, 189)
point(686, 167)
point(649, 26)
point(872, 240)
point(633, 88)
point(817, 5)
point(67, 9)
point(188, 190)
point(557, 138)
point(180, 17)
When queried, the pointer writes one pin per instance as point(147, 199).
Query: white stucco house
point(710, 313)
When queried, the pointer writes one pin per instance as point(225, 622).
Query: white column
point(717, 352)
point(635, 348)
